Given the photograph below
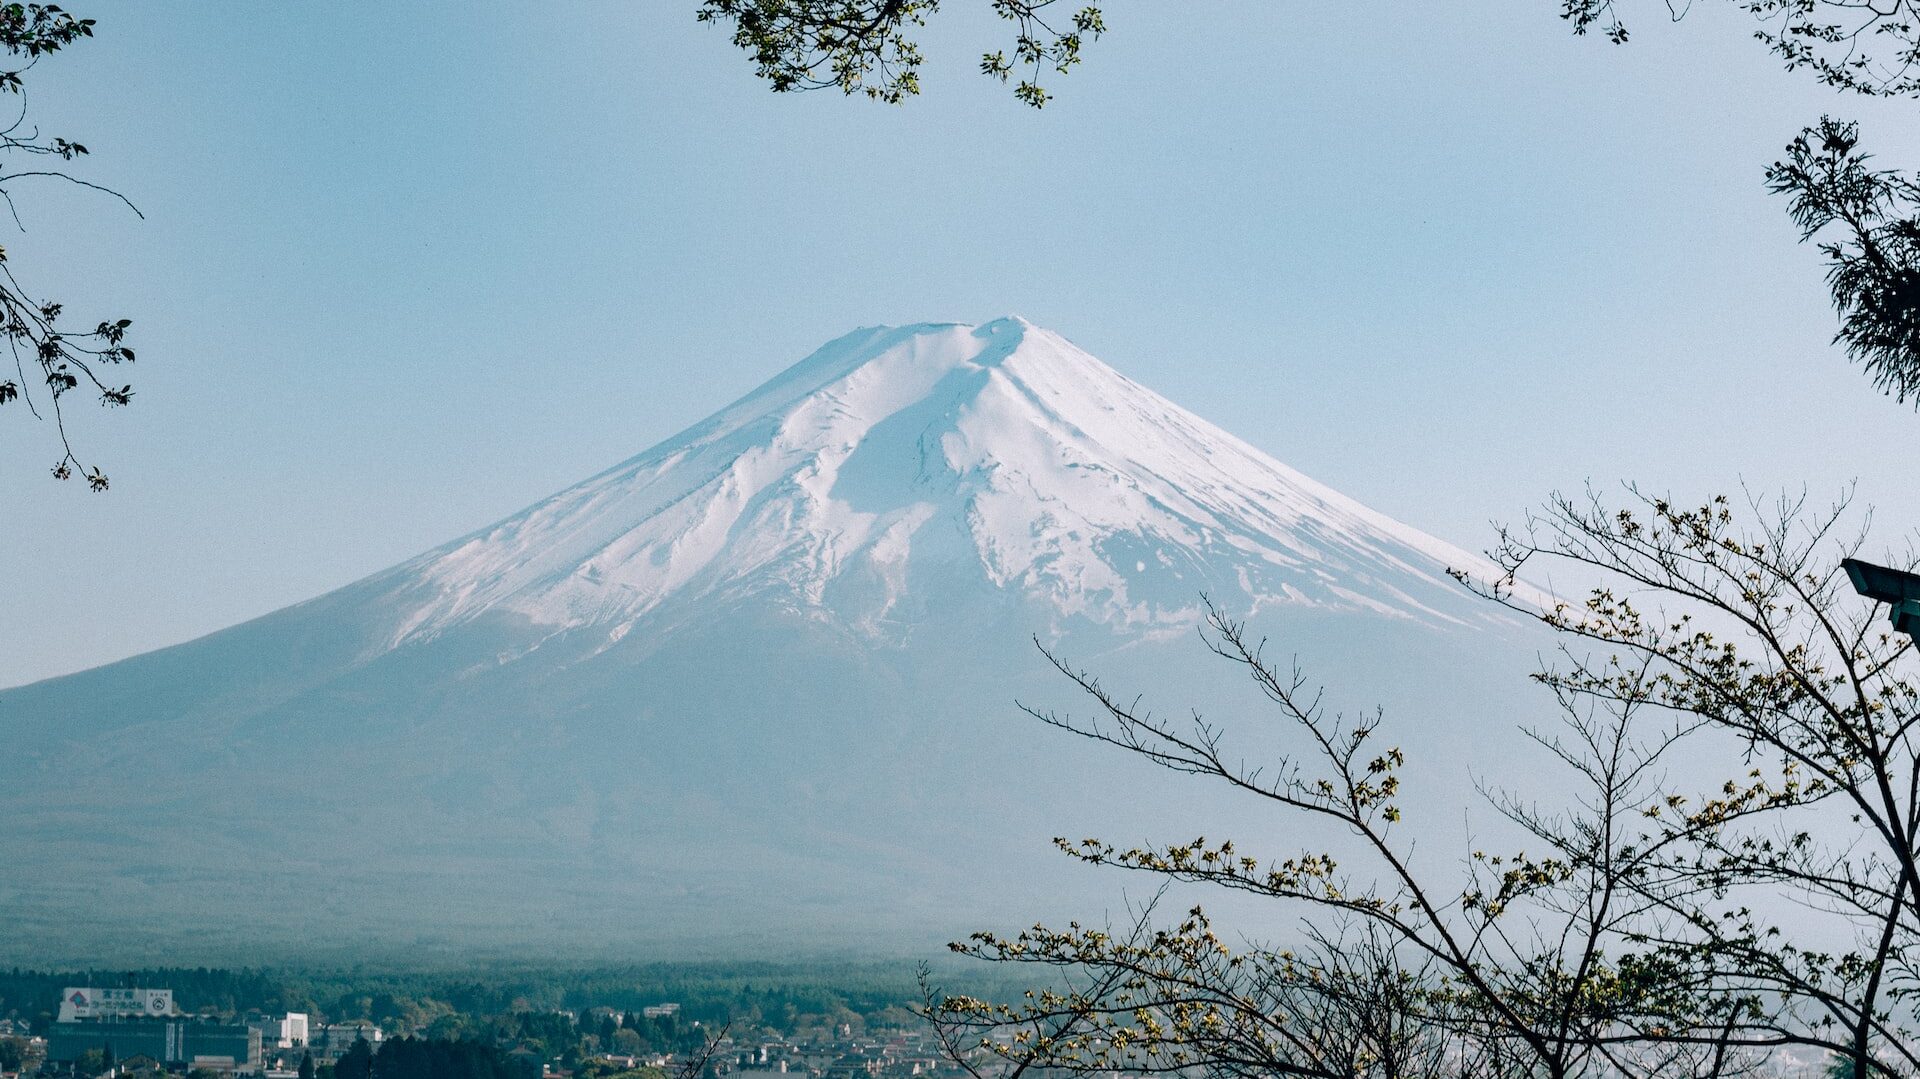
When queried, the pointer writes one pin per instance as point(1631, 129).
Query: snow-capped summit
point(898, 468)
point(754, 684)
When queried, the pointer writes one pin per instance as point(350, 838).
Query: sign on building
point(89, 1003)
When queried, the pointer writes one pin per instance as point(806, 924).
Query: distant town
point(851, 1024)
point(148, 1031)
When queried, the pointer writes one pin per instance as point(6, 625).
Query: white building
point(284, 1032)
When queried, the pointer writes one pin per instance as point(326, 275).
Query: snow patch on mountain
point(912, 465)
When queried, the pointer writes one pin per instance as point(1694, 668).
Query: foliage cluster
point(867, 47)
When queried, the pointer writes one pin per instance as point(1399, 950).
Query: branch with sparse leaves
point(1151, 1000)
point(52, 358)
point(1528, 965)
point(1864, 47)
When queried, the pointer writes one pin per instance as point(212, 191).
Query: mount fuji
point(755, 685)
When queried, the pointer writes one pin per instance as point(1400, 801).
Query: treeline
point(422, 1058)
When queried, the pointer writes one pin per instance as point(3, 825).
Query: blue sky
point(407, 268)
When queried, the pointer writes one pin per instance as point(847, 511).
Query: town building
point(143, 1023)
point(288, 1031)
point(331, 1041)
point(217, 1046)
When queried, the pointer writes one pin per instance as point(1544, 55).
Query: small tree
point(1745, 624)
point(1658, 931)
point(306, 1065)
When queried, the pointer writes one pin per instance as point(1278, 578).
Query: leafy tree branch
point(867, 47)
point(53, 358)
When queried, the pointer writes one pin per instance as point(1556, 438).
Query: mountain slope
point(757, 679)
